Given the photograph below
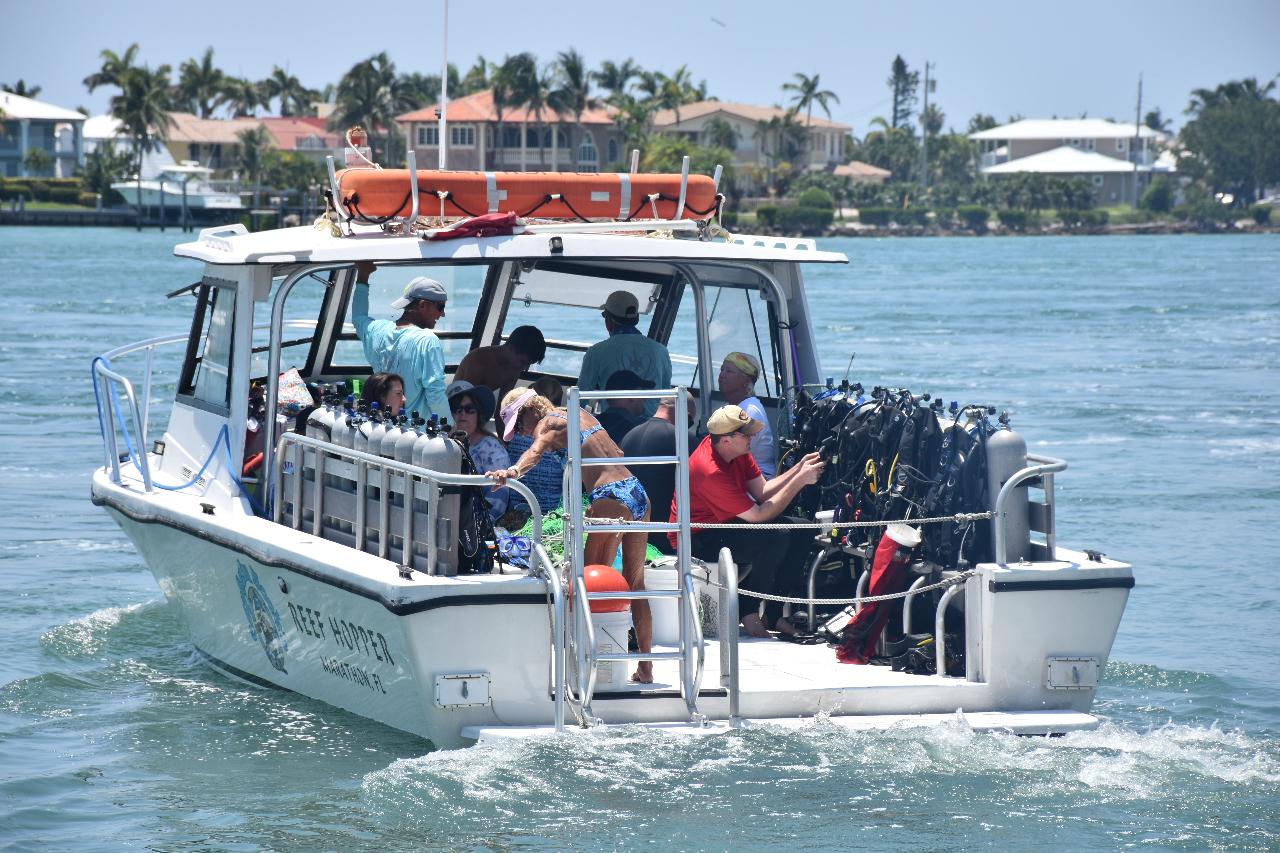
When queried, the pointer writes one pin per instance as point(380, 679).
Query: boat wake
point(579, 789)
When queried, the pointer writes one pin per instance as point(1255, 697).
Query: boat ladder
point(691, 651)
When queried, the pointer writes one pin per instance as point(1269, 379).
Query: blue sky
point(1036, 59)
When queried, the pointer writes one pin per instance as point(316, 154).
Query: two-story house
point(755, 131)
point(26, 125)
point(1118, 159)
point(481, 140)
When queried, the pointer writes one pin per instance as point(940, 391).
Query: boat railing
point(1041, 514)
point(692, 649)
point(727, 629)
point(391, 488)
point(111, 420)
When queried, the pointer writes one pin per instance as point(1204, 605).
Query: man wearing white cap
point(626, 348)
point(407, 346)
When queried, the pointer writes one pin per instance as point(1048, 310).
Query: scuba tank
point(408, 439)
point(377, 427)
point(391, 434)
point(1006, 455)
point(360, 438)
point(342, 415)
point(425, 440)
point(320, 421)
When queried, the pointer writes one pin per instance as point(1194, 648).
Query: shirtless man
point(498, 368)
point(613, 491)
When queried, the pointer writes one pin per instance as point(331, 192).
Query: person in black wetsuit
point(657, 437)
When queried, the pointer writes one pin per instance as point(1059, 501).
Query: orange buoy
point(378, 195)
point(606, 579)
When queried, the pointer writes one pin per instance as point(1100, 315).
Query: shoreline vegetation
point(925, 175)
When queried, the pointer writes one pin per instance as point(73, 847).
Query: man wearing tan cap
point(725, 486)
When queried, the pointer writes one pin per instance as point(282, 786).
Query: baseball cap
point(622, 305)
point(422, 288)
point(728, 419)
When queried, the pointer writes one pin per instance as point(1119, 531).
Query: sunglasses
point(465, 410)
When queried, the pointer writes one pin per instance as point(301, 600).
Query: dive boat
point(174, 185)
point(297, 561)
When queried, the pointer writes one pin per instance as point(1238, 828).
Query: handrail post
point(146, 397)
point(547, 570)
point(727, 577)
point(1048, 467)
point(906, 604)
point(939, 631)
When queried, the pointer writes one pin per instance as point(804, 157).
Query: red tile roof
point(479, 108)
point(289, 131)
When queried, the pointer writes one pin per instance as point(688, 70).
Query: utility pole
point(1137, 140)
point(930, 85)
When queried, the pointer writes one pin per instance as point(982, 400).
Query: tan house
point(478, 141)
point(1118, 159)
point(304, 134)
point(825, 146)
point(212, 142)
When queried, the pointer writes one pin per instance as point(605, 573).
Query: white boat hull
point(170, 196)
point(451, 659)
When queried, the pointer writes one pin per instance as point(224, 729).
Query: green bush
point(879, 216)
point(1096, 218)
point(912, 216)
point(87, 200)
point(816, 197)
point(807, 220)
point(767, 214)
point(729, 219)
point(40, 190)
point(1158, 196)
point(10, 190)
point(1015, 220)
point(974, 216)
point(1261, 213)
point(65, 195)
point(1084, 218)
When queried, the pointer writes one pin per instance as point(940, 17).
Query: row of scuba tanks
point(409, 438)
point(894, 456)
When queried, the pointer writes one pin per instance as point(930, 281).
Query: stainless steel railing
point(691, 652)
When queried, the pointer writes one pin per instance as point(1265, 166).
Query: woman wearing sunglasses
point(471, 406)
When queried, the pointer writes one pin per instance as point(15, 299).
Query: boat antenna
point(849, 369)
point(444, 92)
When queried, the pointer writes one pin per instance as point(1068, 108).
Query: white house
point(1118, 159)
point(27, 124)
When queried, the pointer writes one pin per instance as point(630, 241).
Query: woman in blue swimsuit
point(613, 492)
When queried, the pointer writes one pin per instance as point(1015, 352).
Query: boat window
point(301, 310)
point(563, 301)
point(206, 375)
point(738, 320)
point(463, 283)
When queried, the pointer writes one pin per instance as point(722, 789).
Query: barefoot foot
point(753, 626)
point(643, 673)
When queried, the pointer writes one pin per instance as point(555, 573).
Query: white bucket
point(666, 611)
point(611, 637)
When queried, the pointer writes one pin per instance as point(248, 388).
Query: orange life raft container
point(378, 195)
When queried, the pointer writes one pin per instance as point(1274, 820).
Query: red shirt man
point(725, 485)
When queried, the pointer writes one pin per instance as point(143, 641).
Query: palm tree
point(142, 110)
point(200, 84)
point(721, 134)
point(114, 68)
point(616, 77)
point(477, 78)
point(242, 96)
point(573, 93)
point(807, 94)
point(1158, 122)
point(366, 97)
point(295, 98)
point(254, 143)
point(505, 81)
point(21, 89)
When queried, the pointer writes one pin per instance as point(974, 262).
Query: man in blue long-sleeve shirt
point(406, 346)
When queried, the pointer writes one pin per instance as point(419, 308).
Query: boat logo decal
point(264, 620)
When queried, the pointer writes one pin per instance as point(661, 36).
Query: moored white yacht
point(333, 573)
point(177, 184)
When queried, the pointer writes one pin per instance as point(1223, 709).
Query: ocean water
point(1151, 364)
